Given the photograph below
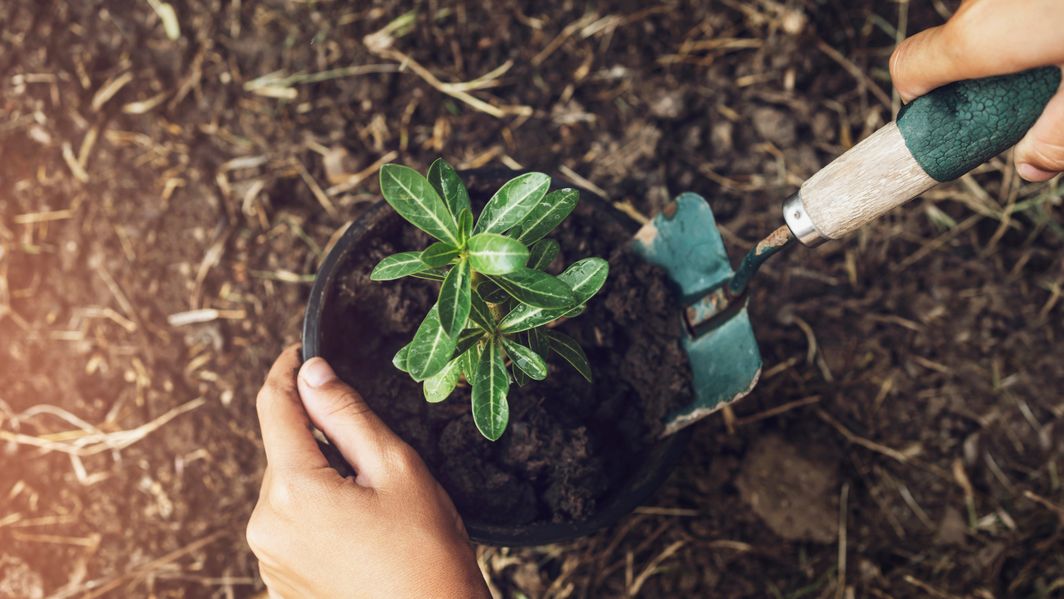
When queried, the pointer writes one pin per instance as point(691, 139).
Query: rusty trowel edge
point(725, 362)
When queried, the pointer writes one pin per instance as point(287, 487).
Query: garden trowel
point(936, 138)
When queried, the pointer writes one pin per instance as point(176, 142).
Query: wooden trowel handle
point(936, 138)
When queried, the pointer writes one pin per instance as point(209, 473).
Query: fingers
point(340, 412)
point(1040, 155)
point(984, 38)
point(285, 428)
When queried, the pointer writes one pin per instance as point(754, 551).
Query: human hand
point(993, 37)
point(390, 532)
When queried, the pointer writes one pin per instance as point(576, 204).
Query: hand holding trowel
point(936, 138)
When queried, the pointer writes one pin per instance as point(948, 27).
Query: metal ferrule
point(799, 222)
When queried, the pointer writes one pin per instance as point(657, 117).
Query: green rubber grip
point(959, 126)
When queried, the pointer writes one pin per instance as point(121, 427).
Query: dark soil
point(569, 443)
point(913, 369)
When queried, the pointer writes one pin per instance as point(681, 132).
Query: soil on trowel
point(569, 443)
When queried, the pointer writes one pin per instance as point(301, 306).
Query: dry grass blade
point(43, 216)
point(109, 90)
point(356, 179)
point(100, 587)
point(91, 440)
point(856, 439)
point(1042, 501)
point(776, 411)
point(181, 319)
point(652, 567)
point(380, 44)
point(857, 73)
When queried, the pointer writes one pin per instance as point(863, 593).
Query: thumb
point(922, 63)
point(339, 411)
point(1040, 154)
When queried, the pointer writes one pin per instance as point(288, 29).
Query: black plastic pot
point(645, 477)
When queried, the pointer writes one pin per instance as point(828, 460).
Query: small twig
point(930, 590)
point(117, 293)
point(1042, 501)
point(856, 72)
point(91, 541)
point(95, 441)
point(109, 89)
point(852, 437)
point(453, 89)
point(652, 567)
point(936, 243)
point(651, 510)
point(560, 39)
point(43, 216)
point(99, 587)
point(575, 177)
point(181, 319)
point(354, 180)
point(776, 411)
point(840, 586)
point(319, 193)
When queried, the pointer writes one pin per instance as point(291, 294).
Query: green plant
point(495, 299)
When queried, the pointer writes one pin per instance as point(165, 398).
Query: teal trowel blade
point(725, 361)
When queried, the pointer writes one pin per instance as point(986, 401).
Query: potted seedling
point(486, 293)
point(496, 302)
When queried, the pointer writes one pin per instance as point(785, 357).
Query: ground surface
point(163, 205)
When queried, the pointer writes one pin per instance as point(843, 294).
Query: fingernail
point(316, 372)
point(1033, 173)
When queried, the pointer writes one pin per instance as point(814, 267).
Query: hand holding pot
point(390, 532)
point(986, 38)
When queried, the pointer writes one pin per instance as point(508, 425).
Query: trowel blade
point(725, 361)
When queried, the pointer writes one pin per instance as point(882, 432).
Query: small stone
point(667, 104)
point(793, 21)
point(792, 493)
point(951, 530)
point(775, 126)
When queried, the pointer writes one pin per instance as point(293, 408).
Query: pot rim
point(639, 487)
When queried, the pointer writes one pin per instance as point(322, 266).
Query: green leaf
point(397, 266)
point(465, 224)
point(435, 274)
point(524, 318)
point(440, 385)
point(567, 347)
point(468, 338)
point(585, 277)
point(480, 314)
point(537, 340)
point(494, 254)
point(449, 185)
point(399, 360)
point(470, 359)
point(454, 299)
point(491, 383)
point(512, 202)
point(431, 348)
point(547, 214)
point(577, 311)
point(542, 253)
point(411, 195)
point(491, 292)
point(528, 361)
point(536, 289)
point(439, 254)
point(520, 377)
